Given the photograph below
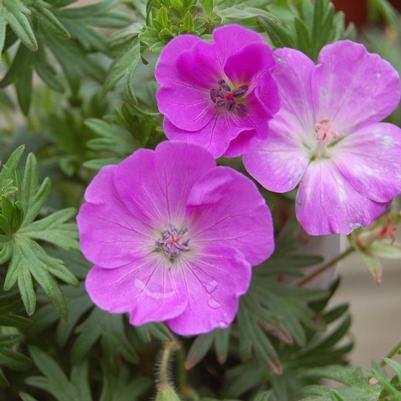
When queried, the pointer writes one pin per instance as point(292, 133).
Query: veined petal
point(146, 288)
point(215, 137)
point(249, 63)
point(353, 87)
point(225, 207)
point(200, 66)
point(292, 75)
point(231, 38)
point(186, 107)
point(110, 235)
point(156, 184)
point(214, 280)
point(370, 160)
point(166, 68)
point(279, 162)
point(327, 203)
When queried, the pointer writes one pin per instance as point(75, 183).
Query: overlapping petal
point(213, 282)
point(226, 208)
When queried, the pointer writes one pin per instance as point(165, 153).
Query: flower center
point(325, 136)
point(324, 132)
point(228, 98)
point(173, 242)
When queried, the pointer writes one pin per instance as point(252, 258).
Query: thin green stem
point(395, 351)
point(327, 266)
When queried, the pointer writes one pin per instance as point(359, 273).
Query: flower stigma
point(173, 242)
point(230, 98)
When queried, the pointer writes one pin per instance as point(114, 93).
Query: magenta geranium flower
point(328, 137)
point(218, 95)
point(173, 238)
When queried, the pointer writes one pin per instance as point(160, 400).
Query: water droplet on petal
point(211, 286)
point(222, 324)
point(214, 303)
point(355, 226)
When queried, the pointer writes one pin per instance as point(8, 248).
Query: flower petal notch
point(328, 138)
point(167, 241)
point(218, 95)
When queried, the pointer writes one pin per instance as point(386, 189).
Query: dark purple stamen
point(230, 99)
point(240, 91)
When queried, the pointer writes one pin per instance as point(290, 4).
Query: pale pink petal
point(370, 160)
point(279, 162)
point(213, 281)
point(292, 75)
point(353, 87)
point(327, 203)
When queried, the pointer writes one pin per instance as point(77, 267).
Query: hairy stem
point(327, 266)
point(168, 350)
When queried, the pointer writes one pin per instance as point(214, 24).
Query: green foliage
point(21, 229)
point(309, 26)
point(77, 387)
point(374, 385)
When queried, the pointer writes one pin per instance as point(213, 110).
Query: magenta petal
point(186, 107)
point(241, 143)
point(370, 160)
point(267, 94)
point(150, 291)
point(214, 282)
point(229, 39)
point(354, 87)
point(279, 162)
point(249, 63)
point(226, 207)
point(109, 235)
point(200, 66)
point(166, 70)
point(328, 204)
point(156, 184)
point(215, 137)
